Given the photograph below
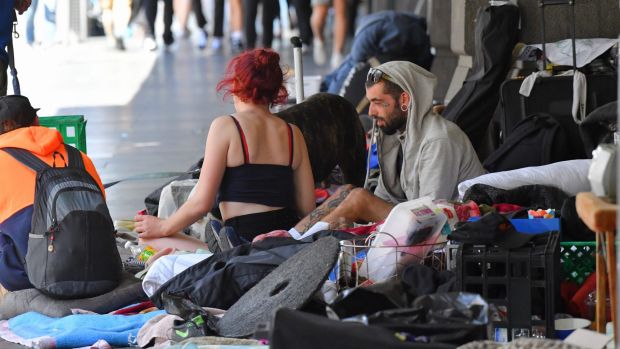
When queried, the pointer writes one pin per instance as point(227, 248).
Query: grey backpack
point(72, 250)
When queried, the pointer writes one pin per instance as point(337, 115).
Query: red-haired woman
point(255, 163)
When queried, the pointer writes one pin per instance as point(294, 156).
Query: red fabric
point(467, 210)
point(134, 309)
point(568, 289)
point(506, 208)
point(578, 302)
point(320, 195)
point(363, 230)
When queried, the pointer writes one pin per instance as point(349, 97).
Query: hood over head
point(37, 139)
point(419, 84)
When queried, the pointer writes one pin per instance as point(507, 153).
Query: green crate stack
point(578, 260)
point(71, 127)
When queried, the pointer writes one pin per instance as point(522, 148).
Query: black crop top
point(265, 184)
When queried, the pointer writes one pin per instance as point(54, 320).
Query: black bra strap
point(291, 144)
point(244, 144)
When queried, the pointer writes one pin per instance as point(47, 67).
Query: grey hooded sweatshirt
point(437, 155)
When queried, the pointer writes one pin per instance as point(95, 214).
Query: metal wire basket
point(353, 266)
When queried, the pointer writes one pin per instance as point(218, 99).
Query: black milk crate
point(522, 285)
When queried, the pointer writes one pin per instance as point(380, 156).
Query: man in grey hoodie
point(420, 152)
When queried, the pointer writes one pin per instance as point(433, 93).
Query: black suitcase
point(553, 95)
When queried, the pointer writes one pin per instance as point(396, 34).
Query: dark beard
point(395, 124)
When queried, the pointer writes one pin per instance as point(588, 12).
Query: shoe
point(196, 327)
point(216, 44)
point(305, 48)
point(318, 52)
point(119, 44)
point(168, 38)
point(336, 60)
point(212, 237)
point(202, 39)
point(150, 43)
point(236, 45)
point(225, 243)
point(186, 33)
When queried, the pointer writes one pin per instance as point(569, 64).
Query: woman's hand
point(149, 227)
point(273, 234)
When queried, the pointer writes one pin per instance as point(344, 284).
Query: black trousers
point(201, 21)
point(218, 21)
point(271, 8)
point(150, 10)
point(304, 11)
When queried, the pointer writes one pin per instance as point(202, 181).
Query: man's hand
point(22, 5)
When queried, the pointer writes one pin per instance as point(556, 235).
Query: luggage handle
point(542, 4)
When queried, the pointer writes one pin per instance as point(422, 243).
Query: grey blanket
point(129, 291)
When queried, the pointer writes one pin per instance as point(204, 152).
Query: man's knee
point(357, 198)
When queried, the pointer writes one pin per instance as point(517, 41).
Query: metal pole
point(299, 69)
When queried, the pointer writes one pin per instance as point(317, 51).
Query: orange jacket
point(17, 182)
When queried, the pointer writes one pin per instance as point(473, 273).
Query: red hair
point(255, 77)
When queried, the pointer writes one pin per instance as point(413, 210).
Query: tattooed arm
point(326, 208)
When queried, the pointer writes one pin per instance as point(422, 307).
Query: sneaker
point(150, 43)
point(168, 38)
point(236, 45)
point(119, 44)
point(212, 237)
point(318, 52)
point(216, 44)
point(202, 39)
point(196, 327)
point(224, 241)
point(336, 60)
point(186, 33)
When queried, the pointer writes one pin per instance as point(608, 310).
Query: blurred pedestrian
point(115, 17)
point(7, 16)
point(320, 9)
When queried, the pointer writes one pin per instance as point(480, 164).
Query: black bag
point(473, 106)
point(538, 140)
point(554, 94)
point(71, 246)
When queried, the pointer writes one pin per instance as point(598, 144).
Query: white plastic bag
point(406, 237)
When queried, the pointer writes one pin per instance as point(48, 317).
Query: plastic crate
point(521, 284)
point(578, 260)
point(71, 127)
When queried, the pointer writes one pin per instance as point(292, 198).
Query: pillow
point(15, 303)
point(570, 176)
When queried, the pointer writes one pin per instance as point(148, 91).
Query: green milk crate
point(71, 127)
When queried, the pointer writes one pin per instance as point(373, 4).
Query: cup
point(564, 327)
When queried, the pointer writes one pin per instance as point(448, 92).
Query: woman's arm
point(302, 176)
point(201, 202)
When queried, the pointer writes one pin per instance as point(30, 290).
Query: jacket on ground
point(17, 189)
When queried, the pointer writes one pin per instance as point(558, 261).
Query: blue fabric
point(81, 330)
point(6, 27)
point(388, 36)
point(13, 246)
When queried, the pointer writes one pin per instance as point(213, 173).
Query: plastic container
point(564, 327)
point(71, 127)
point(578, 260)
point(521, 284)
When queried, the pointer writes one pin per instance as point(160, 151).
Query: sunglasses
point(375, 75)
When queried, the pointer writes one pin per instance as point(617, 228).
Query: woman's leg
point(317, 21)
point(236, 25)
point(182, 9)
point(340, 32)
point(178, 241)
